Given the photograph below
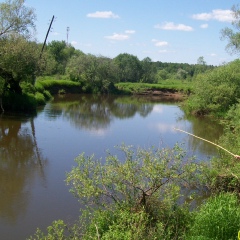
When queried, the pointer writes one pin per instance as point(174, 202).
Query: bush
point(19, 102)
point(40, 98)
point(28, 88)
point(47, 95)
point(216, 91)
point(218, 218)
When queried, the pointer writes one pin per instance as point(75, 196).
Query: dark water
point(37, 151)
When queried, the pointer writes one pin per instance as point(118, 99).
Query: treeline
point(22, 65)
point(64, 59)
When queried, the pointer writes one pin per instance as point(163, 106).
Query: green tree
point(148, 71)
point(201, 61)
point(61, 53)
point(181, 74)
point(232, 36)
point(16, 17)
point(130, 69)
point(216, 91)
point(162, 74)
point(19, 62)
point(97, 74)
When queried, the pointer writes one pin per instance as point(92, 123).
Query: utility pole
point(46, 36)
point(68, 29)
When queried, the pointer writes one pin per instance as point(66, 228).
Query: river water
point(37, 151)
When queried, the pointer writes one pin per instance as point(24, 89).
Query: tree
point(181, 74)
point(130, 69)
point(18, 60)
point(148, 71)
point(15, 17)
point(201, 61)
point(97, 74)
point(61, 53)
point(233, 38)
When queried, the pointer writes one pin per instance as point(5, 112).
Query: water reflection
point(20, 160)
point(62, 130)
point(204, 127)
point(96, 112)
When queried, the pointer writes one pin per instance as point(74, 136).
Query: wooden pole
point(46, 37)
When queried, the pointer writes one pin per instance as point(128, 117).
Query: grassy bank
point(165, 85)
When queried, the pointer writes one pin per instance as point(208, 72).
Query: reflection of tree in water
point(206, 128)
point(20, 159)
point(127, 107)
point(97, 112)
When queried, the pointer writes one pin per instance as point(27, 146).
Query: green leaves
point(16, 18)
point(141, 175)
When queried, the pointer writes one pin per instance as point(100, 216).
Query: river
point(37, 151)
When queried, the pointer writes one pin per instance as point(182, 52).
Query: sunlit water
point(37, 151)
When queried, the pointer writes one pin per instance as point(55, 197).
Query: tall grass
point(219, 218)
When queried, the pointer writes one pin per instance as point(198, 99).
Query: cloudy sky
point(164, 30)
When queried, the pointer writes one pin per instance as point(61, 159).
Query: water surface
point(37, 151)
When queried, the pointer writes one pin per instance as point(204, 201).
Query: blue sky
point(164, 30)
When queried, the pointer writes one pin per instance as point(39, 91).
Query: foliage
point(40, 98)
point(130, 69)
point(19, 102)
point(216, 91)
point(149, 71)
point(53, 85)
point(60, 53)
point(16, 17)
point(218, 218)
point(19, 61)
point(135, 181)
point(120, 224)
point(191, 69)
point(96, 74)
point(57, 231)
point(174, 85)
point(233, 38)
point(135, 198)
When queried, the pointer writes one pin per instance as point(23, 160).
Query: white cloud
point(159, 43)
point(217, 14)
point(158, 109)
point(130, 31)
point(204, 26)
point(105, 14)
point(74, 43)
point(163, 127)
point(118, 37)
point(173, 26)
point(213, 54)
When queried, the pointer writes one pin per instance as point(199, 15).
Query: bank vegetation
point(142, 193)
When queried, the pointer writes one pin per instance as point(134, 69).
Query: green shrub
point(215, 91)
point(38, 86)
point(47, 95)
point(19, 102)
point(28, 88)
point(40, 98)
point(218, 218)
